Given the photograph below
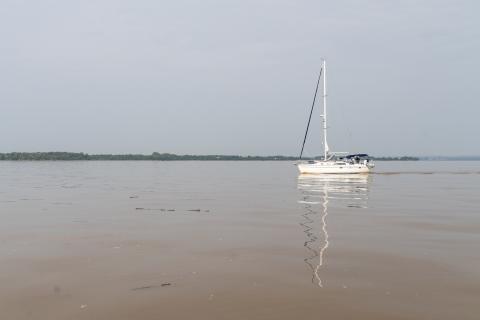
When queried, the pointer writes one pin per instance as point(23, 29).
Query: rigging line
point(311, 111)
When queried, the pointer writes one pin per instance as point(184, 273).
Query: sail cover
point(360, 155)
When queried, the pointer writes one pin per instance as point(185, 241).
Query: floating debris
point(133, 197)
point(57, 290)
point(143, 288)
point(170, 210)
point(154, 209)
point(166, 284)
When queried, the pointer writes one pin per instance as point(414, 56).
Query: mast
point(324, 116)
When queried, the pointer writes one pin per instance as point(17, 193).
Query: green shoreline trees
point(80, 156)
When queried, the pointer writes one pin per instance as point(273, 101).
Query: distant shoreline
point(80, 156)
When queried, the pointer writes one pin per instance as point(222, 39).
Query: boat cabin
point(356, 158)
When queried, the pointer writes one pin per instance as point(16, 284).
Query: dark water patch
point(166, 284)
point(71, 186)
point(171, 210)
point(425, 172)
point(356, 206)
point(155, 209)
point(404, 172)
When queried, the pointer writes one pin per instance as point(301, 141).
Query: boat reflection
point(318, 192)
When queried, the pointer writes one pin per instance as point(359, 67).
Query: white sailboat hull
point(328, 167)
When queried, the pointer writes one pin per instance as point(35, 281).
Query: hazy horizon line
point(422, 157)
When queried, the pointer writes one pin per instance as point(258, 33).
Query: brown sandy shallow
point(251, 251)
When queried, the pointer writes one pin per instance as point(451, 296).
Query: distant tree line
point(71, 156)
point(452, 158)
point(75, 156)
point(33, 156)
point(404, 158)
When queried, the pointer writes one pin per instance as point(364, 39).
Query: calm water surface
point(238, 240)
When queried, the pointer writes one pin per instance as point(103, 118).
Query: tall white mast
point(325, 145)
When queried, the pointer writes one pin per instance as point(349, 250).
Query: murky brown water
point(238, 240)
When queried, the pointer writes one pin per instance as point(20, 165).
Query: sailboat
point(332, 162)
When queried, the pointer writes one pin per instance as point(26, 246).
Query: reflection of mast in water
point(345, 190)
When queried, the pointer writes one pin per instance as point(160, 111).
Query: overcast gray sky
point(237, 77)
